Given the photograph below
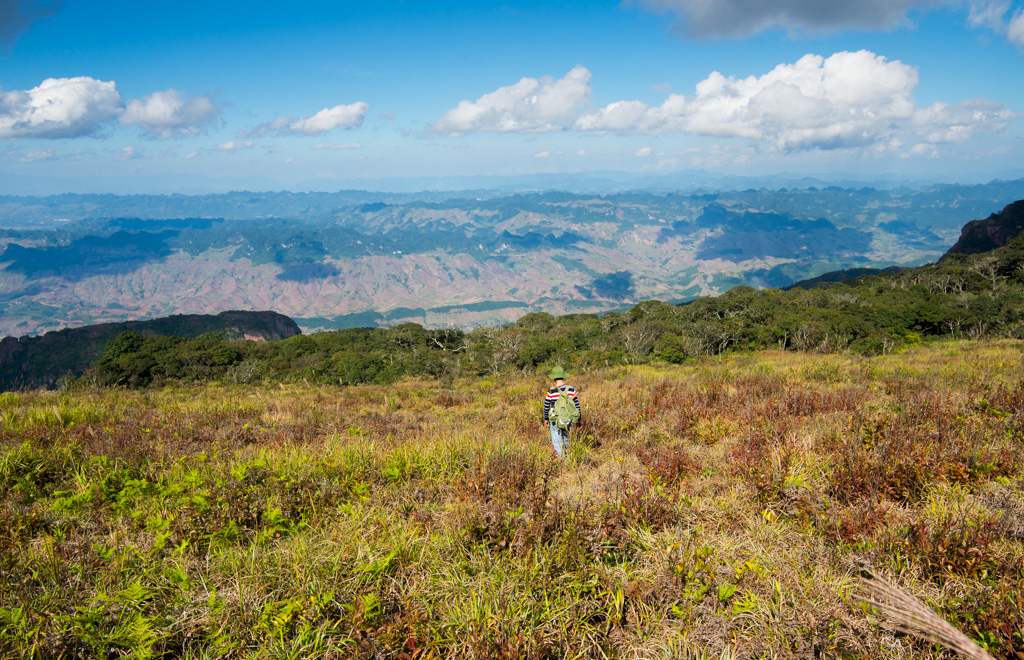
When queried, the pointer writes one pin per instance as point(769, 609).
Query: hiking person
point(561, 410)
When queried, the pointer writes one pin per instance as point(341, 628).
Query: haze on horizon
point(199, 97)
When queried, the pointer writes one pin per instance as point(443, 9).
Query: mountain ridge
point(993, 232)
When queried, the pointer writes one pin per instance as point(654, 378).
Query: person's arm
point(547, 407)
point(576, 400)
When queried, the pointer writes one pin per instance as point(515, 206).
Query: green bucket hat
point(557, 373)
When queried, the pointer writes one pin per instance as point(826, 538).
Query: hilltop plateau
point(715, 509)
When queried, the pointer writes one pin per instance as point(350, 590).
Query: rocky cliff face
point(43, 361)
point(993, 232)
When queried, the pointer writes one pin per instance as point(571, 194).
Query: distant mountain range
point(29, 362)
point(333, 260)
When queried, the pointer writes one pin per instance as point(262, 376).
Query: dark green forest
point(962, 296)
point(48, 360)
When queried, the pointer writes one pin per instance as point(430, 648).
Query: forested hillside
point(972, 296)
point(45, 361)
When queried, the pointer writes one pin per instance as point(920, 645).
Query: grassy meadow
point(714, 509)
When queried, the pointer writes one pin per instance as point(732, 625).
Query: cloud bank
point(849, 99)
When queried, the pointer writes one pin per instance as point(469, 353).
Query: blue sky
point(193, 97)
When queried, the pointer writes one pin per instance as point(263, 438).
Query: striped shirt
point(552, 396)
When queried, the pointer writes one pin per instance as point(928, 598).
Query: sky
point(131, 97)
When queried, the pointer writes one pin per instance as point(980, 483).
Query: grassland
point(713, 509)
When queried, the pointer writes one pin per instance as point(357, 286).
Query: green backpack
point(565, 413)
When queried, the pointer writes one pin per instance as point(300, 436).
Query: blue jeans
point(559, 438)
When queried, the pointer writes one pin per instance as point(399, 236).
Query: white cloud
point(59, 108)
point(924, 149)
point(349, 146)
point(37, 155)
point(732, 18)
point(328, 119)
point(235, 145)
point(129, 153)
point(617, 116)
point(845, 100)
point(542, 155)
point(643, 152)
point(995, 15)
point(275, 127)
point(943, 123)
point(1015, 28)
point(987, 13)
point(167, 113)
point(532, 104)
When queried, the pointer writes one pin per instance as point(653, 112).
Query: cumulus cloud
point(542, 155)
point(343, 116)
point(59, 108)
point(83, 106)
point(17, 15)
point(734, 18)
point(167, 114)
point(530, 105)
point(845, 100)
point(643, 152)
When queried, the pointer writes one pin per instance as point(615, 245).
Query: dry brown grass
point(903, 613)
